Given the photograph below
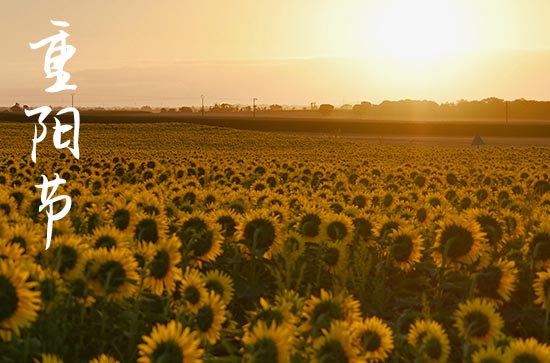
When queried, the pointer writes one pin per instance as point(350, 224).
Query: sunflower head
point(479, 321)
point(170, 343)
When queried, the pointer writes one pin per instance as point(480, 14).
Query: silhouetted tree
point(326, 109)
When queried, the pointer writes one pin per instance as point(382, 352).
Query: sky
point(292, 52)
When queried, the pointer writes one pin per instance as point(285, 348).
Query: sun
point(421, 29)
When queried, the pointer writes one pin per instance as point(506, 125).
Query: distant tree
point(16, 107)
point(275, 107)
point(146, 109)
point(185, 109)
point(326, 109)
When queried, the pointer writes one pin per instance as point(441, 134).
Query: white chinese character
point(47, 201)
point(57, 55)
point(59, 129)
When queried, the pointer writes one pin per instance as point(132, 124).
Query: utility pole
point(254, 107)
point(202, 107)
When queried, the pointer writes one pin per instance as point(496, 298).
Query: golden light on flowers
point(278, 313)
point(497, 281)
point(48, 358)
point(67, 256)
point(479, 321)
point(113, 273)
point(162, 269)
point(11, 251)
point(489, 354)
point(220, 283)
point(121, 214)
point(149, 228)
point(309, 224)
point(209, 318)
point(458, 240)
point(19, 302)
point(406, 246)
point(375, 339)
point(259, 233)
point(526, 350)
point(193, 290)
point(170, 343)
point(335, 345)
point(200, 237)
point(539, 245)
point(320, 312)
point(267, 344)
point(104, 358)
point(26, 236)
point(430, 341)
point(337, 227)
point(334, 256)
point(541, 286)
point(108, 237)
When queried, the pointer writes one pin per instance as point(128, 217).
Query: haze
point(288, 52)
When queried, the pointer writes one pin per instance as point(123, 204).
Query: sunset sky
point(287, 51)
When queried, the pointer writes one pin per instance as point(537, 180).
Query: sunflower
point(200, 238)
point(406, 247)
point(333, 256)
point(364, 226)
point(490, 224)
point(8, 205)
point(162, 270)
point(309, 224)
point(539, 245)
point(48, 358)
point(148, 203)
point(541, 285)
point(512, 224)
point(259, 233)
point(227, 219)
point(320, 312)
point(375, 338)
point(497, 281)
point(387, 225)
point(149, 228)
point(19, 300)
point(25, 235)
point(121, 214)
point(479, 321)
point(335, 345)
point(170, 343)
point(67, 256)
point(489, 354)
point(209, 319)
point(430, 340)
point(267, 344)
point(113, 273)
point(459, 241)
point(279, 313)
point(193, 290)
point(103, 358)
point(219, 282)
point(337, 227)
point(108, 237)
point(526, 350)
point(10, 251)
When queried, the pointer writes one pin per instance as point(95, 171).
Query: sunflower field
point(201, 244)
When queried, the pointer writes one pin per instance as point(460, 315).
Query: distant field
point(332, 126)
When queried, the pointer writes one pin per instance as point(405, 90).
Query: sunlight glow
point(423, 29)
